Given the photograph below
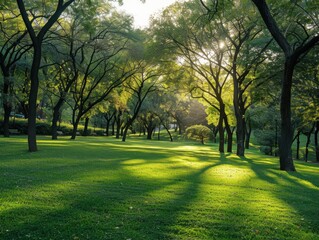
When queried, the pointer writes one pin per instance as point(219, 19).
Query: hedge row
point(44, 128)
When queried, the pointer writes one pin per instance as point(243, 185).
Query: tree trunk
point(113, 126)
point(240, 136)
point(118, 125)
point(159, 132)
point(307, 146)
point(129, 122)
point(221, 134)
point(122, 131)
point(75, 128)
point(55, 118)
point(32, 140)
point(316, 140)
point(54, 126)
point(149, 133)
point(107, 129)
point(248, 134)
point(229, 134)
point(286, 162)
point(86, 125)
point(127, 126)
point(298, 146)
point(180, 131)
point(229, 140)
point(308, 134)
point(169, 133)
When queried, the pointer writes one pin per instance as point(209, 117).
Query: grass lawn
point(101, 188)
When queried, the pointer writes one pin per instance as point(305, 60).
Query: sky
point(141, 12)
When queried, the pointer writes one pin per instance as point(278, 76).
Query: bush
point(198, 132)
point(266, 150)
point(43, 129)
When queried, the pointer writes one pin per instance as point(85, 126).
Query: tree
point(190, 39)
point(294, 49)
point(300, 36)
point(37, 34)
point(140, 85)
point(14, 45)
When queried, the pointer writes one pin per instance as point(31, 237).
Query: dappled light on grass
point(102, 188)
point(229, 174)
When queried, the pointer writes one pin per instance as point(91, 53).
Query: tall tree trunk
point(86, 125)
point(33, 96)
point(286, 162)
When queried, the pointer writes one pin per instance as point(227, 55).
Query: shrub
point(266, 150)
point(198, 132)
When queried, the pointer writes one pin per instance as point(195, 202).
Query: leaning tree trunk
point(286, 162)
point(127, 126)
point(167, 130)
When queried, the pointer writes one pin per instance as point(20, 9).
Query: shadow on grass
point(135, 191)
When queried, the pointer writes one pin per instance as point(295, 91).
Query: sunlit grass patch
point(102, 188)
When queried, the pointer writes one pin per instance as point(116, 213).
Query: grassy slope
point(99, 188)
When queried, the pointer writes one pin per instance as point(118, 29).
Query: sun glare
point(142, 11)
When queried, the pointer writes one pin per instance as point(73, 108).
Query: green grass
point(102, 188)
